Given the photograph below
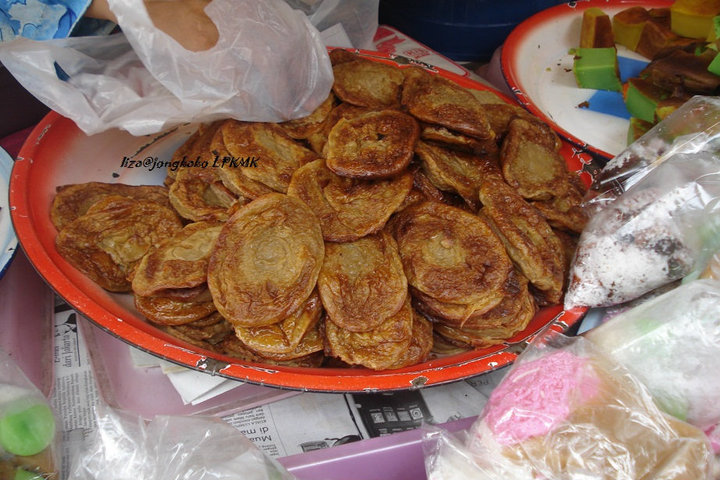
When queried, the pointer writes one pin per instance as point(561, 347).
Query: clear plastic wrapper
point(672, 345)
point(125, 447)
point(692, 128)
point(661, 229)
point(566, 411)
point(28, 429)
point(269, 64)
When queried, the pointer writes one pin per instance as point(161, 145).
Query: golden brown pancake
point(530, 162)
point(165, 311)
point(458, 141)
point(362, 282)
point(71, 201)
point(198, 147)
point(112, 236)
point(348, 208)
point(208, 333)
point(285, 336)
point(455, 171)
point(377, 349)
point(266, 261)
point(377, 144)
point(179, 262)
point(420, 346)
point(366, 83)
point(303, 128)
point(565, 211)
point(234, 347)
point(451, 255)
point(198, 194)
point(276, 155)
point(439, 101)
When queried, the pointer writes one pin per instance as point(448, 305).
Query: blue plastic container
point(463, 30)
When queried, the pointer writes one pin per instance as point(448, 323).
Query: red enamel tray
point(58, 153)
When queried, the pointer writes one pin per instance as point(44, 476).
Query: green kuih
point(27, 430)
point(597, 68)
point(642, 99)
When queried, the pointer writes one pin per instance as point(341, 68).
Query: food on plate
point(247, 142)
point(439, 101)
point(348, 208)
point(378, 348)
point(365, 83)
point(198, 194)
point(452, 256)
point(597, 68)
point(285, 336)
point(527, 237)
point(362, 283)
point(377, 144)
point(456, 171)
point(112, 237)
point(266, 261)
point(179, 262)
point(359, 236)
point(693, 18)
point(596, 29)
point(72, 201)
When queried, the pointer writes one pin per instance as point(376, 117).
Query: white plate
point(537, 65)
point(8, 240)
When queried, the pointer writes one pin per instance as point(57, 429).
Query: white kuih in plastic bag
point(566, 411)
point(672, 345)
point(269, 64)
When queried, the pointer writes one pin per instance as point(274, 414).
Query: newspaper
point(298, 424)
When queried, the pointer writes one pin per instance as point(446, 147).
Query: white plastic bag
point(124, 447)
point(269, 64)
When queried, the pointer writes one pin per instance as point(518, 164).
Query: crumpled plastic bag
point(125, 447)
point(694, 127)
point(269, 64)
point(672, 345)
point(565, 410)
point(29, 442)
point(662, 228)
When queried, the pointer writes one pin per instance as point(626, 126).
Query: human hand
point(183, 20)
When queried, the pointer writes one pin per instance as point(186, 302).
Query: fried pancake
point(458, 141)
point(530, 162)
point(455, 171)
point(106, 242)
point(208, 333)
point(421, 344)
point(377, 144)
point(377, 349)
point(276, 155)
point(318, 140)
point(165, 311)
point(439, 101)
point(362, 283)
point(285, 336)
point(71, 201)
point(312, 342)
point(303, 128)
point(340, 55)
point(527, 237)
point(451, 255)
point(198, 194)
point(179, 262)
point(366, 83)
point(232, 176)
point(482, 336)
point(348, 208)
point(266, 261)
point(196, 147)
point(233, 347)
point(515, 295)
point(564, 212)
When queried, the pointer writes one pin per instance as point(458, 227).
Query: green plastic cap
point(27, 431)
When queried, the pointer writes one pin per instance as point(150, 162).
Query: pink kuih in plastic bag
point(565, 411)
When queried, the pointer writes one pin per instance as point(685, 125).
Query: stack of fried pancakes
point(405, 211)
